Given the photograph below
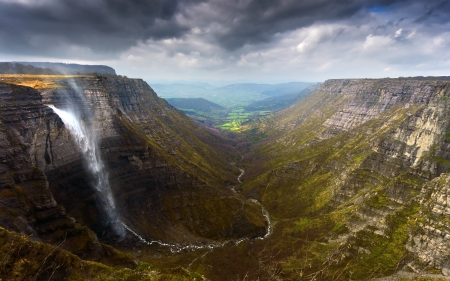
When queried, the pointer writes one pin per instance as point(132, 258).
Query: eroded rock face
point(27, 203)
point(394, 176)
point(167, 183)
point(369, 153)
point(367, 99)
point(430, 238)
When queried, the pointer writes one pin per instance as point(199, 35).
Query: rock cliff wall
point(361, 166)
point(27, 203)
point(168, 183)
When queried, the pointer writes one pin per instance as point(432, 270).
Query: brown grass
point(35, 81)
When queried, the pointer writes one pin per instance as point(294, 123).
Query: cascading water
point(87, 141)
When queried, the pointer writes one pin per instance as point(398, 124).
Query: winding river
point(177, 248)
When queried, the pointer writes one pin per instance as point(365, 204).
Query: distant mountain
point(278, 102)
point(286, 88)
point(72, 68)
point(197, 104)
point(231, 95)
point(264, 89)
point(246, 93)
point(245, 87)
point(18, 68)
point(182, 90)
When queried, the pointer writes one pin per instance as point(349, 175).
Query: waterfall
point(78, 119)
point(87, 141)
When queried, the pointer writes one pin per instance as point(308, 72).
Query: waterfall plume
point(87, 141)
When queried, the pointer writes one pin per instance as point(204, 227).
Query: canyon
point(168, 185)
point(349, 183)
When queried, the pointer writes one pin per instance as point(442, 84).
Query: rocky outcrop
point(168, 184)
point(27, 204)
point(358, 159)
point(429, 239)
point(367, 99)
point(386, 185)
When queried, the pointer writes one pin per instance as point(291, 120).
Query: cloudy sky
point(233, 40)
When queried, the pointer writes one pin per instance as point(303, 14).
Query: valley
point(346, 182)
point(225, 140)
point(257, 100)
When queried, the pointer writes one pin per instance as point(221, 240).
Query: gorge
point(98, 174)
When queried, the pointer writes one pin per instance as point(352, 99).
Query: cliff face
point(27, 203)
point(167, 182)
point(358, 171)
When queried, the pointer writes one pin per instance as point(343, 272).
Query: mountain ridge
point(356, 155)
point(72, 68)
point(197, 104)
point(230, 95)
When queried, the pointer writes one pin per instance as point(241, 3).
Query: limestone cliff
point(168, 182)
point(27, 204)
point(350, 174)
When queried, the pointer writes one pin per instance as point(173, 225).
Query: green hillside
point(352, 177)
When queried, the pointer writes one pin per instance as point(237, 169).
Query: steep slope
point(24, 259)
point(169, 184)
point(348, 172)
point(27, 204)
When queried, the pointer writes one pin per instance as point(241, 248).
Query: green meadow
point(235, 118)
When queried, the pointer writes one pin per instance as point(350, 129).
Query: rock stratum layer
point(356, 176)
point(168, 182)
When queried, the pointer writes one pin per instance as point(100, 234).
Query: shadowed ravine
point(88, 144)
point(176, 248)
point(96, 164)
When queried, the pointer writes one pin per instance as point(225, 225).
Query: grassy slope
point(297, 182)
point(320, 168)
point(191, 153)
point(24, 259)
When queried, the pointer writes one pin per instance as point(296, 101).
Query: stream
point(88, 142)
point(242, 173)
point(177, 248)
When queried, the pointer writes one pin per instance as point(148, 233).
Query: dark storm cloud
point(437, 13)
point(101, 25)
point(105, 27)
point(258, 20)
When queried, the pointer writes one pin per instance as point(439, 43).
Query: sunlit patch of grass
point(35, 81)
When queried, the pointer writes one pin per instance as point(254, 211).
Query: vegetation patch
point(385, 252)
